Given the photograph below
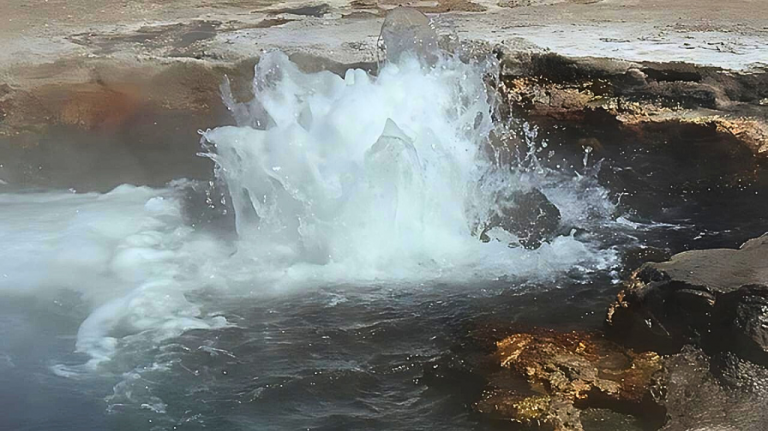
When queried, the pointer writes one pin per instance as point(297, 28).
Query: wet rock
point(752, 132)
point(529, 215)
point(717, 299)
point(734, 397)
point(505, 405)
point(568, 372)
point(439, 6)
point(548, 380)
point(316, 11)
point(745, 314)
point(693, 394)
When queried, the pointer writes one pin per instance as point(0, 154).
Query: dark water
point(353, 358)
point(708, 187)
point(336, 358)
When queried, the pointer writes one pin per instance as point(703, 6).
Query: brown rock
point(566, 372)
point(98, 108)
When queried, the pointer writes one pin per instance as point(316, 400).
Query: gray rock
point(528, 215)
point(718, 270)
point(732, 398)
point(717, 299)
point(745, 313)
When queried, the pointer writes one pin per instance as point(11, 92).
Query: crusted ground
point(108, 71)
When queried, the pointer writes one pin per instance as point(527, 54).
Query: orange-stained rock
point(96, 107)
point(566, 372)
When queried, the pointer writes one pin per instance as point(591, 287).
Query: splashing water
point(380, 177)
point(353, 179)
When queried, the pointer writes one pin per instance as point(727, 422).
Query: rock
point(523, 3)
point(745, 314)
point(693, 394)
point(752, 132)
point(639, 95)
point(529, 215)
point(502, 404)
point(717, 299)
point(732, 398)
point(548, 380)
point(567, 372)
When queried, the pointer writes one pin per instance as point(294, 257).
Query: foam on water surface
point(127, 253)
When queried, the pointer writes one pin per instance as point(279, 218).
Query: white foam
point(363, 178)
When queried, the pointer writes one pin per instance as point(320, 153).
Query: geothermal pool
point(332, 257)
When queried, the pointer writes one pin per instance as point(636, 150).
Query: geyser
point(382, 177)
point(333, 180)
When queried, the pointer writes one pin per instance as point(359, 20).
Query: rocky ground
point(685, 347)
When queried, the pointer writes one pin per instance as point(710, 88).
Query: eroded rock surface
point(572, 381)
point(714, 298)
point(103, 73)
point(567, 372)
point(639, 95)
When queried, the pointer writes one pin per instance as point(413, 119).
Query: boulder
point(543, 379)
point(639, 97)
point(745, 316)
point(717, 299)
